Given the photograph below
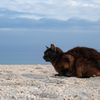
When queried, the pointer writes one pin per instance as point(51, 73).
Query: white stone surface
point(37, 82)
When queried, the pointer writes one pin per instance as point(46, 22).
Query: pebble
point(37, 82)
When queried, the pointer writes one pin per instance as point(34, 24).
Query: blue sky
point(29, 25)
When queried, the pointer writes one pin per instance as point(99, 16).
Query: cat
point(79, 62)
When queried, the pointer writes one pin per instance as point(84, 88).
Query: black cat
point(78, 62)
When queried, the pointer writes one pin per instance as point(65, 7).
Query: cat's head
point(51, 53)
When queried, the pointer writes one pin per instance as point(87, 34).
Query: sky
point(30, 25)
point(55, 9)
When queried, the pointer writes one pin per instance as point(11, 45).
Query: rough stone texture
point(37, 82)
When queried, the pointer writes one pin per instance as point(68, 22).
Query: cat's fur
point(78, 62)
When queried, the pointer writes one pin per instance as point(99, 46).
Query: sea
point(22, 58)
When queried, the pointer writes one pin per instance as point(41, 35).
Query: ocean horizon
point(23, 58)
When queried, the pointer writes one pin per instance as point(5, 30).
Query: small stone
point(75, 96)
point(13, 97)
point(8, 79)
point(32, 98)
point(22, 91)
point(99, 91)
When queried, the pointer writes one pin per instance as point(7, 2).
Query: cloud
point(21, 20)
point(15, 14)
point(56, 9)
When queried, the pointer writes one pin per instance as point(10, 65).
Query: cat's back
point(85, 52)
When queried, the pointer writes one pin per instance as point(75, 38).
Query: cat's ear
point(53, 47)
point(47, 47)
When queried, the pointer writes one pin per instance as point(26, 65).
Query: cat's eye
point(47, 53)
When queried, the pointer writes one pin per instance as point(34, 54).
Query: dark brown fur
point(78, 62)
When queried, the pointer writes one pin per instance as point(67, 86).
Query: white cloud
point(29, 16)
point(4, 29)
point(85, 5)
point(58, 9)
